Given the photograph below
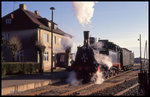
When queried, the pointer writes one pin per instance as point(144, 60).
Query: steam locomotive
point(86, 64)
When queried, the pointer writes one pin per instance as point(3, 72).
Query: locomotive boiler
point(86, 63)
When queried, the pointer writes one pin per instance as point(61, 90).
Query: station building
point(30, 27)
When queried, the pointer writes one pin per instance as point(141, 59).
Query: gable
point(19, 21)
point(24, 19)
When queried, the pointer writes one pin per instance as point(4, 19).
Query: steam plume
point(97, 45)
point(72, 79)
point(66, 43)
point(101, 58)
point(84, 12)
point(97, 78)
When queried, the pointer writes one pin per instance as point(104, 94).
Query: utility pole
point(140, 54)
point(145, 53)
point(143, 76)
point(52, 27)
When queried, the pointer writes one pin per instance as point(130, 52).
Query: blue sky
point(120, 22)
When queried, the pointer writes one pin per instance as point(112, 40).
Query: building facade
point(30, 27)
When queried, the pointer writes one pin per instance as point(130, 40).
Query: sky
point(119, 22)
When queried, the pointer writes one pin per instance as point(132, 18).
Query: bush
point(11, 68)
point(3, 72)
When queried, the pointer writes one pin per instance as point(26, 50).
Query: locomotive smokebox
point(86, 38)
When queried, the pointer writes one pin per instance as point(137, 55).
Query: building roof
point(34, 21)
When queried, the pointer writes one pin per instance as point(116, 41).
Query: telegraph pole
point(52, 27)
point(143, 76)
point(140, 54)
point(145, 52)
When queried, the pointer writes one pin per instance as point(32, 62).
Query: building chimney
point(23, 6)
point(36, 12)
point(86, 38)
point(11, 16)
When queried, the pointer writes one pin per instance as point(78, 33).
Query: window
point(8, 21)
point(54, 39)
point(19, 57)
point(6, 36)
point(59, 41)
point(46, 37)
point(46, 56)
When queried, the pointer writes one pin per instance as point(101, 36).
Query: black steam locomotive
point(85, 64)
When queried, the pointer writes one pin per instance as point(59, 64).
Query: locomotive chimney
point(86, 38)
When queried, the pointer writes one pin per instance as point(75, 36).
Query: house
point(30, 27)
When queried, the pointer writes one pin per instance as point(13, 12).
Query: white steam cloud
point(72, 79)
point(101, 58)
point(84, 12)
point(66, 43)
point(97, 78)
point(97, 45)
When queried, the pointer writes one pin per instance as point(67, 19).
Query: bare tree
point(15, 45)
point(41, 48)
point(3, 42)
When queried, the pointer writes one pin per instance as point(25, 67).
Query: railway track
point(45, 90)
point(126, 90)
point(98, 87)
point(104, 87)
point(78, 91)
point(85, 89)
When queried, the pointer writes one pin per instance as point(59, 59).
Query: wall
point(27, 38)
point(56, 47)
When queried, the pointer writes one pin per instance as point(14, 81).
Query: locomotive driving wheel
point(110, 73)
point(114, 72)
